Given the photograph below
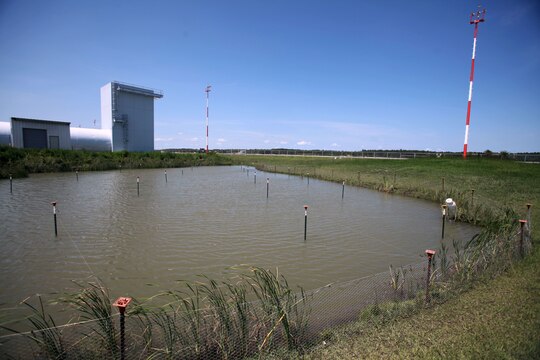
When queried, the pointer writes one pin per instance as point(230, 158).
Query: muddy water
point(201, 221)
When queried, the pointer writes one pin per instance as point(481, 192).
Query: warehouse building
point(127, 123)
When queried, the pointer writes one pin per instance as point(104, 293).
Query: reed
point(45, 333)
point(94, 303)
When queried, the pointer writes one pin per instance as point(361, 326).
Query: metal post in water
point(121, 303)
point(307, 175)
point(10, 184)
point(521, 237)
point(54, 216)
point(77, 175)
point(343, 190)
point(247, 172)
point(472, 198)
point(430, 254)
point(443, 219)
point(267, 186)
point(138, 186)
point(182, 171)
point(305, 221)
point(255, 178)
point(165, 176)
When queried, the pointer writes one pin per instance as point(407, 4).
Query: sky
point(313, 74)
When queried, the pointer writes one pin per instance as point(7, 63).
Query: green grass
point(490, 318)
point(21, 162)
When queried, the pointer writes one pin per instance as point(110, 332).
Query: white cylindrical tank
point(90, 139)
point(5, 133)
point(452, 208)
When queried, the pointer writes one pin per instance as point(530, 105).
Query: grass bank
point(21, 162)
point(493, 318)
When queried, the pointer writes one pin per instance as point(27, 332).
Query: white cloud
point(283, 142)
point(303, 142)
point(334, 145)
point(164, 139)
point(221, 140)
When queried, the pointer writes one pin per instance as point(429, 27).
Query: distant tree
point(504, 155)
point(488, 153)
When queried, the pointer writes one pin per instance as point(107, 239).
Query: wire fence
point(261, 313)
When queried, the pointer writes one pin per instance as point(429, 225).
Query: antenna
point(207, 90)
point(476, 18)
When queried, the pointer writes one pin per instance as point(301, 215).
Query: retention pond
point(206, 220)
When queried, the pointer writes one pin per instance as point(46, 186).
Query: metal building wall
point(91, 139)
point(53, 128)
point(5, 133)
point(129, 112)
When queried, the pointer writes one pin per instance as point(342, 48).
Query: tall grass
point(44, 333)
point(94, 303)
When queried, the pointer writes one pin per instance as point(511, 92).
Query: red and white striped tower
point(208, 88)
point(476, 18)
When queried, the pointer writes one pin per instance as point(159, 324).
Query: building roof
point(41, 121)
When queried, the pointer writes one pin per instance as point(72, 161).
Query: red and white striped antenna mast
point(207, 90)
point(476, 18)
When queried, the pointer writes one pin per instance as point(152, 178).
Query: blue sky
point(344, 75)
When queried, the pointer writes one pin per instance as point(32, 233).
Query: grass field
point(494, 319)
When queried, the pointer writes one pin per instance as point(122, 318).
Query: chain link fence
point(259, 313)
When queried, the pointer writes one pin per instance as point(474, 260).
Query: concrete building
point(127, 123)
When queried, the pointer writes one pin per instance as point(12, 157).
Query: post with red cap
point(121, 303)
point(54, 215)
point(305, 221)
point(429, 254)
point(521, 237)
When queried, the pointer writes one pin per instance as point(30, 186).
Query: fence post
point(430, 254)
point(521, 236)
point(121, 303)
point(529, 216)
point(442, 184)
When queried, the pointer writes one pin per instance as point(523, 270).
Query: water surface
point(201, 221)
